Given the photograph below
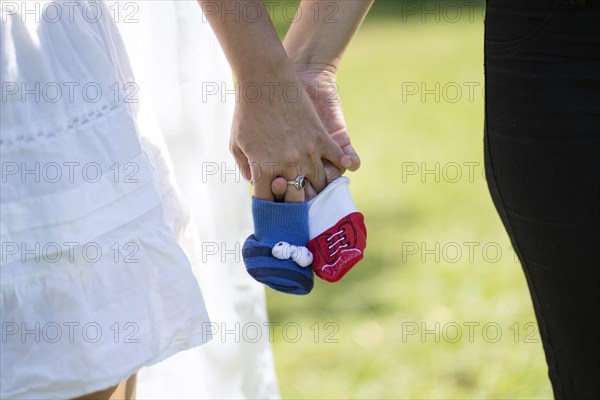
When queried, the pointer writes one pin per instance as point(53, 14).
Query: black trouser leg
point(542, 150)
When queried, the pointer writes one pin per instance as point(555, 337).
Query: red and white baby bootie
point(337, 232)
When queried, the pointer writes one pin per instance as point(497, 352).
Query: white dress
point(176, 57)
point(94, 284)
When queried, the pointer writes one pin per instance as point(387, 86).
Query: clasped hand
point(294, 127)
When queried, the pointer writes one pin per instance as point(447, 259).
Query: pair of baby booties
point(292, 242)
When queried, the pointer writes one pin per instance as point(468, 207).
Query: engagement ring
point(298, 183)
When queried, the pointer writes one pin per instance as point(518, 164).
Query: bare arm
point(315, 45)
point(323, 31)
point(278, 132)
point(250, 45)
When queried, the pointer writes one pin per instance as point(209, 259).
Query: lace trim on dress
point(75, 123)
point(14, 136)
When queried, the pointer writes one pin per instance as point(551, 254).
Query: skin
point(315, 45)
point(283, 135)
point(271, 136)
point(316, 62)
point(123, 391)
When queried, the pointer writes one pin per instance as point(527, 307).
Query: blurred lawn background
point(371, 349)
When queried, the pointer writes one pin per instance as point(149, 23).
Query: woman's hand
point(319, 81)
point(315, 46)
point(277, 132)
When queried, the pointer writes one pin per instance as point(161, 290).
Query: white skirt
point(94, 284)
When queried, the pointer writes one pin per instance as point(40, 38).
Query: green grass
point(372, 355)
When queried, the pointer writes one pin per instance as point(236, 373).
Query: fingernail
point(346, 163)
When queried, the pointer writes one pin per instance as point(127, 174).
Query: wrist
point(269, 66)
point(315, 75)
point(308, 60)
point(305, 54)
point(315, 68)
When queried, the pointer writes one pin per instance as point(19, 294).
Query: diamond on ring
point(298, 183)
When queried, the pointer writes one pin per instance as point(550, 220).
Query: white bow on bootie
point(300, 254)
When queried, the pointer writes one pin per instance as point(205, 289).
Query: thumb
point(332, 152)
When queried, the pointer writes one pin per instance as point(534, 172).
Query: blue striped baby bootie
point(281, 225)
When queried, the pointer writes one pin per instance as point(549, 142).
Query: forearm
point(252, 47)
point(323, 31)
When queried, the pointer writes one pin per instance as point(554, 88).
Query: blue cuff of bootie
point(275, 222)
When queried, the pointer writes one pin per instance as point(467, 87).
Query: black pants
point(542, 150)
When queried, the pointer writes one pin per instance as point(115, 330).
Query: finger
point(351, 163)
point(350, 160)
point(279, 187)
point(332, 152)
point(331, 172)
point(262, 179)
point(309, 191)
point(261, 183)
point(262, 190)
point(316, 176)
point(293, 195)
point(242, 162)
